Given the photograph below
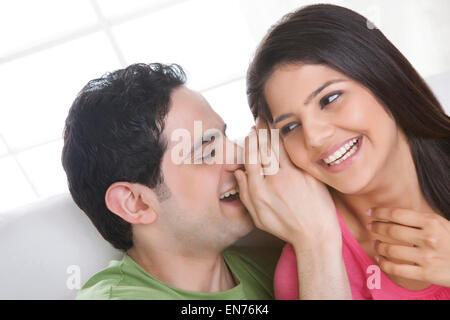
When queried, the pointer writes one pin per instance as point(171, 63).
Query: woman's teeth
point(343, 153)
point(229, 194)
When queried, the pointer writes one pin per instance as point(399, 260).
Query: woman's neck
point(395, 186)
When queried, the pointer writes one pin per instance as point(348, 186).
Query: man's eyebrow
point(308, 100)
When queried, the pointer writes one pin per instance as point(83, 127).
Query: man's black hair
point(114, 133)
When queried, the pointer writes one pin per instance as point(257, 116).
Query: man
point(173, 219)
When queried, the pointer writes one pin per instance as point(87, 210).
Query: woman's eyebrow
point(318, 90)
point(308, 100)
point(281, 118)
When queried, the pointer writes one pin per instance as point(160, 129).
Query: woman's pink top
point(367, 281)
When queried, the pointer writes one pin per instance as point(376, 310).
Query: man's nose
point(234, 156)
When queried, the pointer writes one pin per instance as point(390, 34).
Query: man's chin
point(247, 226)
point(234, 209)
point(237, 203)
point(238, 219)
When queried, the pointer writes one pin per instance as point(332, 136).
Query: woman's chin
point(350, 188)
point(357, 184)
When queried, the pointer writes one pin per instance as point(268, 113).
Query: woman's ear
point(127, 201)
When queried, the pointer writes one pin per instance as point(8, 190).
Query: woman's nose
point(317, 132)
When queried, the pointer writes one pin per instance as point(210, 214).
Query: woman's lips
point(345, 163)
point(336, 147)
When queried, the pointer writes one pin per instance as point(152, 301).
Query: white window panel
point(416, 28)
point(419, 29)
point(14, 188)
point(3, 148)
point(423, 35)
point(25, 23)
point(117, 8)
point(440, 85)
point(230, 102)
point(43, 167)
point(38, 90)
point(209, 39)
point(262, 14)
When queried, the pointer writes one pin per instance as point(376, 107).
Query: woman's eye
point(289, 127)
point(329, 99)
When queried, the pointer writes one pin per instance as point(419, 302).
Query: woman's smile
point(342, 155)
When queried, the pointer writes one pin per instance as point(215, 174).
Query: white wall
point(51, 48)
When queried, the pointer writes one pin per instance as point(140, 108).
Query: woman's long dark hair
point(341, 39)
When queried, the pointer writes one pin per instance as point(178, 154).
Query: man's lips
point(233, 189)
point(334, 148)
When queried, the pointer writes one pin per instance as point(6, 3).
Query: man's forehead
point(187, 108)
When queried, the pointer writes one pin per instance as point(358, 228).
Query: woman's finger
point(269, 160)
point(252, 161)
point(261, 123)
point(392, 251)
point(396, 232)
point(401, 216)
point(400, 270)
point(244, 195)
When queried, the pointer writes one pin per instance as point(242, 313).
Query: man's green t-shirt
point(125, 279)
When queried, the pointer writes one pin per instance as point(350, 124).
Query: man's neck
point(198, 273)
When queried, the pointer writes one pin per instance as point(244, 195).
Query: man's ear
point(128, 202)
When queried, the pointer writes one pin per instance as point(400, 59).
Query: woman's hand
point(297, 208)
point(427, 234)
point(289, 204)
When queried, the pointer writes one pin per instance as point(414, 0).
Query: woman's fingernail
point(369, 226)
point(373, 244)
point(369, 212)
point(377, 258)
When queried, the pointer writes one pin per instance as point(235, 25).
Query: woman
point(355, 115)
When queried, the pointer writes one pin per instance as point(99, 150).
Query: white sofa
point(45, 244)
point(41, 241)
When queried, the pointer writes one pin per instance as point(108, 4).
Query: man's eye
point(289, 127)
point(210, 155)
point(329, 99)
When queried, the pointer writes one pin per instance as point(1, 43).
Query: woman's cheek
point(296, 152)
point(357, 117)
